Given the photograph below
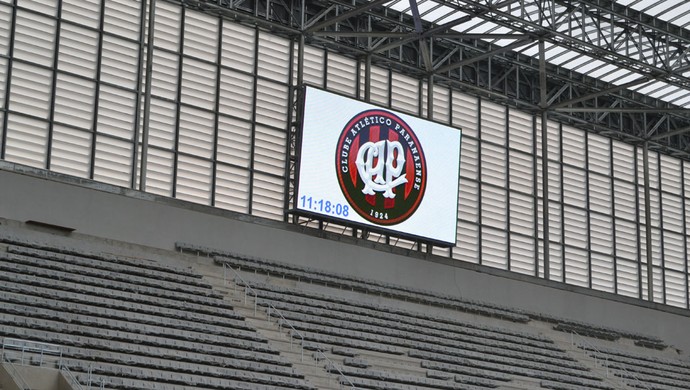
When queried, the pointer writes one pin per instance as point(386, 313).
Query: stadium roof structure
point(618, 68)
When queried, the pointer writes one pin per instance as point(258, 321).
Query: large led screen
point(378, 168)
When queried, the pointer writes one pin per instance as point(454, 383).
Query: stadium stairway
point(379, 341)
point(125, 322)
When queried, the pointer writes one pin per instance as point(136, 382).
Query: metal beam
point(672, 133)
point(488, 54)
point(608, 91)
point(627, 110)
point(411, 37)
point(353, 12)
point(423, 48)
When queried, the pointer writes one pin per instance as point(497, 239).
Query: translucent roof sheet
point(598, 33)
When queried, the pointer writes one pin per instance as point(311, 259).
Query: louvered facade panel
point(237, 51)
point(31, 88)
point(493, 206)
point(467, 246)
point(162, 124)
point(198, 84)
point(601, 231)
point(201, 36)
point(493, 123)
point(674, 251)
point(273, 57)
point(119, 62)
point(625, 204)
point(521, 214)
point(494, 248)
point(657, 287)
point(232, 188)
point(380, 86)
point(234, 142)
point(71, 151)
point(123, 17)
point(672, 211)
point(113, 161)
point(34, 38)
point(623, 162)
point(556, 266)
point(441, 104)
point(576, 267)
point(520, 131)
point(196, 129)
point(626, 239)
point(602, 273)
point(168, 21)
point(653, 168)
point(74, 101)
point(657, 259)
point(574, 186)
point(159, 172)
point(27, 141)
point(84, 12)
point(341, 74)
point(627, 278)
point(598, 154)
point(405, 94)
point(573, 147)
point(676, 289)
point(78, 50)
point(267, 196)
point(271, 104)
point(600, 193)
point(493, 164)
point(193, 181)
point(521, 176)
point(469, 163)
point(5, 26)
point(468, 206)
point(670, 175)
point(116, 110)
point(312, 67)
point(575, 227)
point(165, 75)
point(236, 95)
point(522, 257)
point(464, 114)
point(269, 151)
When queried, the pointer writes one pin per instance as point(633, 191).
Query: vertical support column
point(295, 93)
point(147, 96)
point(543, 103)
point(648, 222)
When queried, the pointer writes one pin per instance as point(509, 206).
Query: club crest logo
point(381, 167)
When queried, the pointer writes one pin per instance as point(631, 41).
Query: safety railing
point(67, 373)
point(271, 311)
point(17, 376)
point(25, 350)
point(595, 354)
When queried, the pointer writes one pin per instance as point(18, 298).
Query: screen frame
point(363, 227)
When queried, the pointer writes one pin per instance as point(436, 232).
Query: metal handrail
point(248, 289)
point(31, 347)
point(70, 377)
point(15, 374)
point(585, 345)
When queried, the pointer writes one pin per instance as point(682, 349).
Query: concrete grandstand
point(150, 231)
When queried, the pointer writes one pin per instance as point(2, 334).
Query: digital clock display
point(374, 167)
point(323, 206)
